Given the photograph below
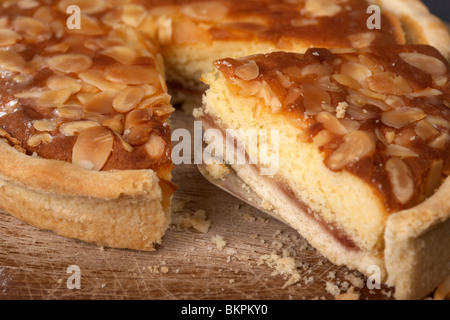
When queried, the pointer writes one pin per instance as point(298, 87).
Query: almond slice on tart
point(363, 151)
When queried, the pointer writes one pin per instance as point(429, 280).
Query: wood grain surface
point(188, 265)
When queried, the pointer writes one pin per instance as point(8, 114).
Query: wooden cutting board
point(188, 265)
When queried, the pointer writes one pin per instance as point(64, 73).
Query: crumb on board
point(219, 242)
point(349, 295)
point(357, 282)
point(332, 289)
point(197, 220)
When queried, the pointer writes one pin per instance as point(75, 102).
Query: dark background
point(440, 8)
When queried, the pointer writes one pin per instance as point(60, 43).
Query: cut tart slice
point(362, 152)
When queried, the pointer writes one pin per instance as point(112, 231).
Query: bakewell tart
point(363, 152)
point(85, 148)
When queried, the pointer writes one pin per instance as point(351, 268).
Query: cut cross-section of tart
point(86, 110)
point(363, 155)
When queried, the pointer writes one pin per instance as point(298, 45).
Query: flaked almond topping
point(359, 114)
point(350, 125)
point(369, 63)
point(434, 177)
point(133, 15)
point(64, 82)
point(11, 61)
point(426, 130)
point(346, 81)
point(93, 148)
point(401, 117)
point(356, 146)
point(394, 150)
point(326, 84)
point(394, 101)
point(70, 63)
point(27, 4)
point(322, 138)
point(165, 30)
point(426, 93)
point(137, 117)
point(131, 74)
point(438, 122)
point(91, 26)
point(248, 71)
point(8, 37)
point(97, 79)
point(357, 71)
point(322, 8)
point(115, 124)
point(128, 99)
point(187, 32)
point(316, 69)
point(372, 94)
point(44, 125)
point(53, 98)
point(362, 40)
point(440, 80)
point(31, 27)
point(284, 80)
point(248, 88)
point(126, 146)
point(292, 96)
point(441, 141)
point(294, 72)
point(138, 134)
point(313, 98)
point(163, 110)
point(205, 11)
point(405, 137)
point(74, 128)
point(155, 146)
point(38, 139)
point(122, 54)
point(270, 98)
point(58, 48)
point(101, 103)
point(331, 123)
point(70, 111)
point(86, 6)
point(161, 99)
point(388, 83)
point(401, 179)
point(424, 62)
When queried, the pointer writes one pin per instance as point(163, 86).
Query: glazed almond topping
point(95, 96)
point(377, 113)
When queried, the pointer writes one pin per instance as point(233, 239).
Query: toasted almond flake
point(362, 40)
point(58, 48)
point(357, 71)
point(53, 98)
point(115, 124)
point(394, 150)
point(401, 117)
point(8, 37)
point(248, 71)
point(100, 103)
point(369, 63)
point(205, 11)
point(313, 98)
point(187, 32)
point(70, 63)
point(128, 99)
point(426, 130)
point(270, 98)
point(165, 30)
point(346, 81)
point(94, 147)
point(64, 82)
point(388, 83)
point(138, 134)
point(70, 111)
point(394, 101)
point(438, 122)
point(163, 110)
point(331, 123)
point(424, 62)
point(86, 6)
point(350, 125)
point(137, 117)
point(155, 146)
point(373, 95)
point(33, 93)
point(434, 177)
point(27, 4)
point(401, 179)
point(132, 75)
point(74, 128)
point(11, 61)
point(292, 96)
point(97, 79)
point(441, 141)
point(133, 15)
point(316, 69)
point(44, 125)
point(326, 84)
point(31, 27)
point(126, 146)
point(322, 8)
point(356, 146)
point(440, 80)
point(38, 139)
point(322, 138)
point(90, 27)
point(426, 93)
point(247, 88)
point(122, 54)
point(359, 114)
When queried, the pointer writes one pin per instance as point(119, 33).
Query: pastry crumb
point(219, 242)
point(332, 289)
point(349, 295)
point(341, 110)
point(217, 170)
